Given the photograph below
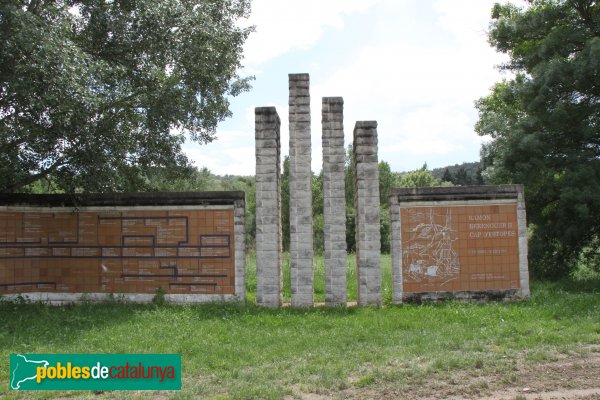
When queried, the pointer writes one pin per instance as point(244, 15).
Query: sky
point(414, 66)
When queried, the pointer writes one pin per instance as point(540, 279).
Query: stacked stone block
point(301, 244)
point(522, 233)
point(334, 198)
point(368, 245)
point(268, 207)
point(239, 220)
point(396, 244)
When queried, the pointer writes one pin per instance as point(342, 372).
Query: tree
point(349, 189)
point(318, 210)
point(197, 180)
point(95, 93)
point(462, 178)
point(471, 172)
point(447, 177)
point(387, 181)
point(419, 178)
point(545, 123)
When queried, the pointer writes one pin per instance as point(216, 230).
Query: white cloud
point(417, 71)
point(468, 21)
point(232, 153)
point(420, 85)
point(284, 26)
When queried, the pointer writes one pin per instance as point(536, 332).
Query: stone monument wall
point(58, 248)
point(459, 242)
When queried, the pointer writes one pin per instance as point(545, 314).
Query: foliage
point(317, 209)
point(467, 173)
point(350, 210)
point(159, 296)
point(419, 178)
point(387, 181)
point(94, 94)
point(545, 124)
point(202, 180)
point(167, 180)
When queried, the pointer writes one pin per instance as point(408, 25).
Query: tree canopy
point(545, 123)
point(93, 93)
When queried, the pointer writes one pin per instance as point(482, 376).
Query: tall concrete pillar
point(268, 207)
point(301, 244)
point(396, 245)
point(368, 245)
point(334, 199)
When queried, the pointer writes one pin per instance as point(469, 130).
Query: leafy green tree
point(479, 180)
point(461, 178)
point(419, 178)
point(472, 173)
point(350, 211)
point(387, 180)
point(447, 177)
point(544, 123)
point(167, 180)
point(318, 210)
point(95, 93)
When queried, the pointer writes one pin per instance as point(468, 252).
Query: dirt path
point(571, 376)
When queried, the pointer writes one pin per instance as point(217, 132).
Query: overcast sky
point(414, 66)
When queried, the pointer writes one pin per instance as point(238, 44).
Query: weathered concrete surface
point(368, 244)
point(301, 242)
point(334, 199)
point(268, 207)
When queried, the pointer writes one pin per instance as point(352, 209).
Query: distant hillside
point(468, 173)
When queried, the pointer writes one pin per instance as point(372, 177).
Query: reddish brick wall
point(185, 251)
point(460, 248)
point(460, 242)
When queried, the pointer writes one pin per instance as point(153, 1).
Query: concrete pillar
point(239, 221)
point(301, 244)
point(368, 245)
point(268, 207)
point(396, 245)
point(522, 233)
point(334, 199)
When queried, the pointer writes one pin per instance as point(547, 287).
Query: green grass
point(243, 352)
point(319, 278)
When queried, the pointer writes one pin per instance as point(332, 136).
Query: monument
point(334, 199)
point(58, 248)
point(268, 207)
point(467, 242)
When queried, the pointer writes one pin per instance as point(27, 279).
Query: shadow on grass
point(27, 323)
point(579, 286)
point(34, 323)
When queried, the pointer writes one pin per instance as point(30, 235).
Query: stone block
point(268, 230)
point(300, 184)
point(367, 212)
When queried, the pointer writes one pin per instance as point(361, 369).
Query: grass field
point(243, 352)
point(319, 278)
